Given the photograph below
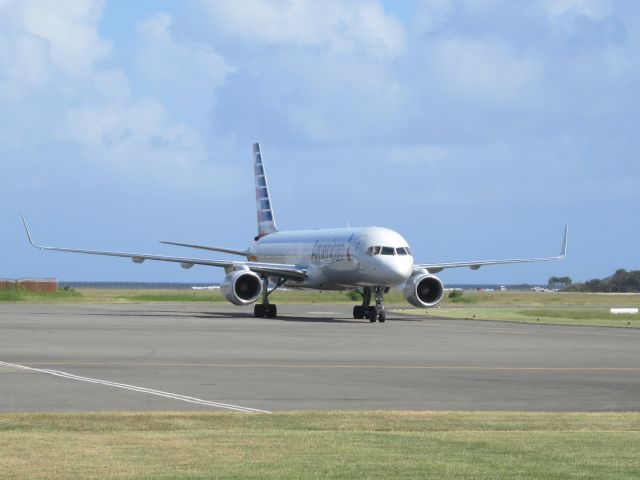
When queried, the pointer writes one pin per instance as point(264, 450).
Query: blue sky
point(476, 129)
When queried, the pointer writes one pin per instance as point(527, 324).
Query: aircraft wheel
point(372, 314)
point(382, 316)
point(358, 312)
point(259, 310)
point(272, 311)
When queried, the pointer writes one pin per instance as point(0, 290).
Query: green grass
point(481, 299)
point(20, 294)
point(537, 307)
point(563, 316)
point(97, 295)
point(518, 306)
point(171, 296)
point(339, 445)
point(578, 314)
point(547, 299)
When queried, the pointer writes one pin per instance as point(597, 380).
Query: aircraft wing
point(437, 267)
point(291, 272)
point(232, 251)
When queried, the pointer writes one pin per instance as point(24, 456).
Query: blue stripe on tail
point(266, 222)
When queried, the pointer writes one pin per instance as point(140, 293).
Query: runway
point(203, 357)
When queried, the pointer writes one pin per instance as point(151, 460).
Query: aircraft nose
point(397, 270)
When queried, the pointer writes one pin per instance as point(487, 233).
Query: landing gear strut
point(368, 311)
point(266, 309)
point(359, 311)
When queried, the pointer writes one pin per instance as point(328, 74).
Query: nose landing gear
point(373, 313)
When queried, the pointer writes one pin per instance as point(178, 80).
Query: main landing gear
point(373, 313)
point(266, 309)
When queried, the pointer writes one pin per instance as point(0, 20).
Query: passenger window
point(388, 251)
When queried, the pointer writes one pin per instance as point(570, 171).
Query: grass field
point(518, 306)
point(321, 445)
point(558, 316)
point(394, 297)
point(536, 307)
point(99, 295)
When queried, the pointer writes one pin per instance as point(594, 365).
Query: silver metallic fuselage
point(337, 258)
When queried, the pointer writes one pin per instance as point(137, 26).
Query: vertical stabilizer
point(266, 222)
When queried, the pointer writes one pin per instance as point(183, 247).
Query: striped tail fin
point(266, 222)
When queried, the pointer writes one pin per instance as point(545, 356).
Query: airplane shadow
point(280, 318)
point(397, 317)
point(315, 319)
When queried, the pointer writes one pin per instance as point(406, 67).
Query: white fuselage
point(339, 258)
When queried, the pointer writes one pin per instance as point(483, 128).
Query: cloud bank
point(436, 109)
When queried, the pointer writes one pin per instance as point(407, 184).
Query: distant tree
point(622, 281)
point(560, 282)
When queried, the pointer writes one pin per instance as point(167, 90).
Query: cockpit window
point(377, 250)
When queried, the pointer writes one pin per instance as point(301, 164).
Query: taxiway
point(68, 358)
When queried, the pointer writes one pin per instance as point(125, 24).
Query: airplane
point(372, 259)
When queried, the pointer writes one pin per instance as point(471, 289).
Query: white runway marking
point(159, 393)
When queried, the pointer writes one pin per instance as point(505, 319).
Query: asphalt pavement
point(71, 358)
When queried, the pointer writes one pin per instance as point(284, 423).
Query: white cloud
point(589, 8)
point(178, 68)
point(138, 139)
point(431, 15)
point(344, 27)
point(59, 93)
point(313, 71)
point(43, 42)
point(484, 70)
point(112, 86)
point(420, 155)
point(70, 27)
point(24, 64)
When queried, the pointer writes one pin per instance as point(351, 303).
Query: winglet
point(563, 253)
point(26, 228)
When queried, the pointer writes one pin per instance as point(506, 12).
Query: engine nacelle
point(423, 290)
point(242, 287)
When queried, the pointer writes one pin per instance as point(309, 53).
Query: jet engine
point(242, 287)
point(423, 290)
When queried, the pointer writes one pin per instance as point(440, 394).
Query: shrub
point(354, 295)
point(453, 294)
